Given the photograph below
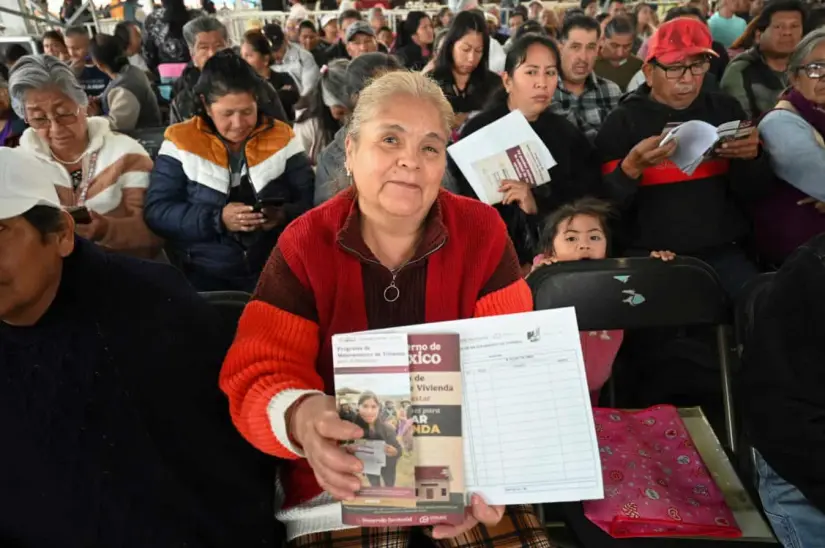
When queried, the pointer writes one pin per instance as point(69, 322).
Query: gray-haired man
point(205, 37)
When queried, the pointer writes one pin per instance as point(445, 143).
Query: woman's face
point(549, 19)
point(580, 238)
point(67, 129)
point(398, 159)
point(643, 15)
point(467, 52)
point(425, 33)
point(812, 88)
point(446, 19)
point(256, 60)
point(234, 115)
point(55, 48)
point(368, 410)
point(533, 83)
point(339, 112)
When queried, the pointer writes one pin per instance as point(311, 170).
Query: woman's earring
point(349, 177)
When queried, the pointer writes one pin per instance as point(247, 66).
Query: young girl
point(578, 232)
point(369, 412)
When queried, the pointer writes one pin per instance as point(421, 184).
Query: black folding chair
point(751, 298)
point(642, 293)
point(230, 305)
point(150, 138)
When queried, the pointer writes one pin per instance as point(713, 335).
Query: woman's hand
point(94, 231)
point(664, 255)
point(317, 428)
point(390, 450)
point(479, 512)
point(819, 206)
point(239, 217)
point(273, 217)
point(520, 193)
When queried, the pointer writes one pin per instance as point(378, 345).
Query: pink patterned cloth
point(655, 482)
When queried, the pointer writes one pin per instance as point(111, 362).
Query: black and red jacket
point(665, 208)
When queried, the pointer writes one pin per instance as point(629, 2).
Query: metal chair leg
point(723, 350)
point(539, 509)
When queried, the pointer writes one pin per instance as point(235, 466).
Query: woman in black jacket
point(415, 40)
point(530, 79)
point(257, 51)
point(461, 66)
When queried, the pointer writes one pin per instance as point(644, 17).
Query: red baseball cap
point(679, 38)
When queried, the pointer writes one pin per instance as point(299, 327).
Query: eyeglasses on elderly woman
point(61, 119)
point(814, 71)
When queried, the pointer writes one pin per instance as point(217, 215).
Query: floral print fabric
point(655, 482)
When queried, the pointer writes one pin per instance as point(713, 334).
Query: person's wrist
point(293, 419)
point(630, 169)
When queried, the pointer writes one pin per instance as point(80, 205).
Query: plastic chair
point(642, 293)
point(150, 138)
point(230, 304)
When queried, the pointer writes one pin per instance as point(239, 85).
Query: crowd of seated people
point(307, 165)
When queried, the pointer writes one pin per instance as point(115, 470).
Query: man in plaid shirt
point(584, 98)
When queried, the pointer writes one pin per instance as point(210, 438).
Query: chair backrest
point(150, 138)
point(750, 299)
point(633, 293)
point(230, 304)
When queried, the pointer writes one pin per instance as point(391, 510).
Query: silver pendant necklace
point(391, 292)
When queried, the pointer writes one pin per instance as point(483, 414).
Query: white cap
point(326, 20)
point(25, 182)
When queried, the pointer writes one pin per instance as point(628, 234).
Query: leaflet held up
point(506, 149)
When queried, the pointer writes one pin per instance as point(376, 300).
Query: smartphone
point(267, 202)
point(80, 215)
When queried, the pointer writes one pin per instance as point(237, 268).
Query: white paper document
point(506, 149)
point(696, 140)
point(529, 435)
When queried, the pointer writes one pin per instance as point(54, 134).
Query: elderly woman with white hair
point(104, 174)
point(393, 250)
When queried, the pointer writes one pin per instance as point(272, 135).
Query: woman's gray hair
point(804, 49)
point(42, 71)
point(204, 23)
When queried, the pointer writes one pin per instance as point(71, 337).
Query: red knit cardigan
point(312, 288)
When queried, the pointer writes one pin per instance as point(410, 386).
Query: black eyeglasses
point(675, 72)
point(814, 71)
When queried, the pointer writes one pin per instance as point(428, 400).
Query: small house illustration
point(432, 483)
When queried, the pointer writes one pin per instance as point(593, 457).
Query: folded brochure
point(410, 411)
point(507, 149)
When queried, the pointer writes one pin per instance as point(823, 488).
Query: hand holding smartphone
point(264, 203)
point(80, 214)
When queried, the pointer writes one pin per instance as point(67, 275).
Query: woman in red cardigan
point(391, 250)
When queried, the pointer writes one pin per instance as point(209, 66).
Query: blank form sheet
point(529, 435)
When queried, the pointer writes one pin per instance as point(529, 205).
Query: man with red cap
point(663, 207)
